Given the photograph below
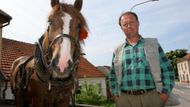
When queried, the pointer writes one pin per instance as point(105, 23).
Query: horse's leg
point(18, 99)
point(64, 101)
point(26, 100)
point(36, 97)
point(36, 91)
point(21, 100)
point(63, 97)
point(37, 102)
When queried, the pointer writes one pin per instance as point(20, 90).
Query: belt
point(137, 92)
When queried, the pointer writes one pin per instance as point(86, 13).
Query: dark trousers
point(148, 99)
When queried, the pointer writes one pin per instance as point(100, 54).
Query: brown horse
point(48, 78)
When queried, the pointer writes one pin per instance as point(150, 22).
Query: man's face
point(129, 25)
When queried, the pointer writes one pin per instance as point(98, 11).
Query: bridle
point(48, 50)
point(44, 54)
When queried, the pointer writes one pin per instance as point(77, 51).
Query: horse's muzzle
point(57, 75)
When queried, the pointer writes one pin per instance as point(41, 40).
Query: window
point(182, 66)
point(183, 77)
point(185, 64)
point(178, 67)
point(187, 78)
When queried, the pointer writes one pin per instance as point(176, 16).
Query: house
point(106, 70)
point(89, 73)
point(13, 49)
point(183, 66)
point(4, 21)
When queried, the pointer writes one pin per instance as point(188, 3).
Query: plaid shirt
point(136, 72)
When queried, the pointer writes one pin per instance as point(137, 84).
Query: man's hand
point(164, 97)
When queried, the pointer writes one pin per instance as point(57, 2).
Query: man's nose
point(128, 25)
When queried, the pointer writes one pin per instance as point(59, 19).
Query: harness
point(24, 74)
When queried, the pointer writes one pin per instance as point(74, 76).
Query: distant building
point(183, 66)
point(92, 75)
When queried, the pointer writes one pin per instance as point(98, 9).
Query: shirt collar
point(140, 40)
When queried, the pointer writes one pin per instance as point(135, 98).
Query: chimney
point(4, 21)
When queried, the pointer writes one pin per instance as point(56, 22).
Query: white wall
point(184, 71)
point(8, 92)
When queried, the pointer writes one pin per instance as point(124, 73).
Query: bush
point(90, 94)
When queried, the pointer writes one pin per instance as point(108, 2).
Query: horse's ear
point(78, 4)
point(54, 2)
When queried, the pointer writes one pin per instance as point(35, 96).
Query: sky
point(166, 20)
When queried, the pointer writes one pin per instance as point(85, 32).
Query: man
point(134, 85)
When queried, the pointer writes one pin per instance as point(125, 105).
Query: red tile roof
point(186, 57)
point(86, 69)
point(12, 49)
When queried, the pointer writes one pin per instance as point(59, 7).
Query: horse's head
point(60, 44)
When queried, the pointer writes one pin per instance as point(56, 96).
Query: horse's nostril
point(54, 62)
point(70, 62)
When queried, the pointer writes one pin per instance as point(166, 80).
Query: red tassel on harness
point(83, 34)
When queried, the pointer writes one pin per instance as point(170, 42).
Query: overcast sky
point(167, 20)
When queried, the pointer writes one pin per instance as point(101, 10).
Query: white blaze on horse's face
point(65, 46)
point(66, 26)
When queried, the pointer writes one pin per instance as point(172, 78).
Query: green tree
point(173, 56)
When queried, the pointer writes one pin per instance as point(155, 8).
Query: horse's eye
point(50, 22)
